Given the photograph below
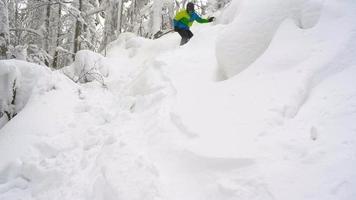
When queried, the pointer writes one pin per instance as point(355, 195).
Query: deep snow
point(169, 125)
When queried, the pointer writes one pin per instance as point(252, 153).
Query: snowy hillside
point(260, 105)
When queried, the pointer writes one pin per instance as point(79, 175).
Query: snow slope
point(167, 126)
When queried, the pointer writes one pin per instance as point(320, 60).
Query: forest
point(50, 32)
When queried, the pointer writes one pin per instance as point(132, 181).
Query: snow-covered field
point(260, 105)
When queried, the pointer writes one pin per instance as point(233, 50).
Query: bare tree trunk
point(111, 22)
point(156, 18)
point(132, 16)
point(78, 31)
point(171, 14)
point(121, 7)
point(56, 53)
point(48, 30)
point(114, 16)
point(18, 33)
point(4, 29)
point(47, 24)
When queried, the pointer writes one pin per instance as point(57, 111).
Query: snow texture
point(168, 127)
point(88, 66)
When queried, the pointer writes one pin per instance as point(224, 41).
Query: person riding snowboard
point(184, 20)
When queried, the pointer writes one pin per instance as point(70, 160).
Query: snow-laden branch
point(36, 32)
point(92, 46)
point(61, 49)
point(37, 6)
point(95, 11)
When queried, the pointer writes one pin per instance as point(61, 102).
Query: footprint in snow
point(82, 108)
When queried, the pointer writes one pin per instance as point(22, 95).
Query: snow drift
point(252, 30)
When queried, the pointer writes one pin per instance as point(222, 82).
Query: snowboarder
point(184, 20)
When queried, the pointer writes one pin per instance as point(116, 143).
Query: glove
point(211, 19)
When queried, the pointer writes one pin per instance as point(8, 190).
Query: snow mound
point(17, 80)
point(87, 67)
point(254, 28)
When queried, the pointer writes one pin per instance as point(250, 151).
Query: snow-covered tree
point(156, 18)
point(112, 24)
point(55, 30)
point(4, 29)
point(218, 4)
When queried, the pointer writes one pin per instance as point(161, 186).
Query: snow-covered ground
point(201, 121)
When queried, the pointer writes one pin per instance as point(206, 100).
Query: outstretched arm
point(199, 19)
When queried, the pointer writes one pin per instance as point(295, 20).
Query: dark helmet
point(190, 7)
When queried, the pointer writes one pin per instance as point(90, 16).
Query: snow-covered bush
point(253, 29)
point(87, 67)
point(17, 79)
point(37, 55)
point(8, 79)
point(18, 52)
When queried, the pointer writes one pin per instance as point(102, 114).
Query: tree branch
point(27, 30)
point(95, 11)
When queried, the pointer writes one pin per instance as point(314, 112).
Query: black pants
point(185, 34)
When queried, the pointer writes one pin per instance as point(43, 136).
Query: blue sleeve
point(196, 17)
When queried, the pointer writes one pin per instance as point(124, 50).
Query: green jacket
point(184, 20)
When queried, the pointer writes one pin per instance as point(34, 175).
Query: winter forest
point(50, 32)
point(177, 99)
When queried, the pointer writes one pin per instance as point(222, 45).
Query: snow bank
point(88, 66)
point(253, 29)
point(17, 79)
